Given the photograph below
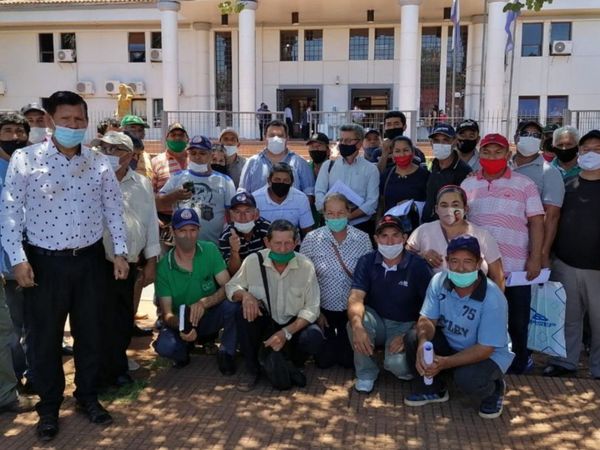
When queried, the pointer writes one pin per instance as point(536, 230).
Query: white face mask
point(450, 216)
point(244, 227)
point(589, 161)
point(115, 162)
point(276, 145)
point(230, 150)
point(441, 151)
point(390, 251)
point(37, 135)
point(198, 168)
point(528, 145)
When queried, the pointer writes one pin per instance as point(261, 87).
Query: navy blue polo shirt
point(394, 294)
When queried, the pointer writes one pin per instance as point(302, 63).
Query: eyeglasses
point(533, 134)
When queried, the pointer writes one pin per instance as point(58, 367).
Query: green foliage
point(231, 6)
point(517, 6)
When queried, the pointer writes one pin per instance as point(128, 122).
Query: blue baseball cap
point(200, 143)
point(243, 198)
point(466, 242)
point(445, 129)
point(183, 217)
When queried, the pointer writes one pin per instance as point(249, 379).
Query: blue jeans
point(381, 332)
point(170, 345)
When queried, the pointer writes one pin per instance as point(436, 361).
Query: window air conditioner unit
point(65, 55)
point(138, 87)
point(112, 86)
point(85, 87)
point(561, 48)
point(156, 55)
point(2, 88)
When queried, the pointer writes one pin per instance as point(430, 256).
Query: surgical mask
point(281, 258)
point(567, 154)
point(336, 225)
point(451, 215)
point(244, 227)
point(442, 151)
point(346, 149)
point(9, 147)
point(115, 162)
point(318, 156)
point(37, 135)
point(393, 133)
point(185, 244)
point(463, 280)
point(230, 150)
point(280, 189)
point(493, 166)
point(198, 168)
point(466, 146)
point(69, 137)
point(276, 145)
point(589, 161)
point(176, 146)
point(390, 251)
point(528, 145)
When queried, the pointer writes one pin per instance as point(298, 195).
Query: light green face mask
point(337, 225)
point(176, 146)
point(281, 258)
point(463, 280)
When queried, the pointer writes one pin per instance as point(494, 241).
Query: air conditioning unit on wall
point(66, 55)
point(85, 87)
point(561, 48)
point(156, 55)
point(112, 86)
point(138, 87)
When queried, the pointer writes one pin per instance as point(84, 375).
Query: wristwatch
point(288, 335)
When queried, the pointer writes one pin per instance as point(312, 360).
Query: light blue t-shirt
point(481, 318)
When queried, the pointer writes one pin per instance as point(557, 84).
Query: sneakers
point(491, 407)
point(424, 399)
point(364, 386)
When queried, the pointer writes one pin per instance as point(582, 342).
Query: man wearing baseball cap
point(230, 139)
point(194, 274)
point(467, 138)
point(372, 145)
point(508, 205)
point(135, 125)
point(319, 152)
point(387, 292)
point(171, 161)
point(210, 191)
point(37, 119)
point(245, 233)
point(464, 316)
point(446, 167)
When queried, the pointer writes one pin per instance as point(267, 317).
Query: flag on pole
point(455, 18)
point(511, 16)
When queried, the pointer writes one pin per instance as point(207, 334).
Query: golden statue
point(124, 99)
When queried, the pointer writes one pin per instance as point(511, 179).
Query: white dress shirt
point(294, 208)
point(141, 221)
point(61, 203)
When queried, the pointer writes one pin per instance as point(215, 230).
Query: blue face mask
point(69, 137)
point(463, 280)
point(336, 225)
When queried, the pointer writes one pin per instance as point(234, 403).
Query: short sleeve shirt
point(481, 318)
point(295, 207)
point(247, 246)
point(547, 179)
point(395, 188)
point(184, 287)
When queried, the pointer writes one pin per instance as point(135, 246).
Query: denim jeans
point(381, 332)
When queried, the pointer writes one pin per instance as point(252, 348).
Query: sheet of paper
point(403, 208)
point(342, 188)
point(520, 278)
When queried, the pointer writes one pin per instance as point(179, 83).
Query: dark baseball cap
point(527, 123)
point(183, 217)
point(200, 143)
point(550, 128)
point(594, 134)
point(32, 107)
point(318, 137)
point(176, 126)
point(465, 242)
point(443, 128)
point(243, 198)
point(467, 124)
point(372, 131)
point(389, 221)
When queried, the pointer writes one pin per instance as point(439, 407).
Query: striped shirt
point(164, 166)
point(256, 242)
point(503, 207)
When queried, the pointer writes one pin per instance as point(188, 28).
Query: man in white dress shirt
point(61, 193)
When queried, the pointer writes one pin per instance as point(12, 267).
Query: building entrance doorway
point(299, 101)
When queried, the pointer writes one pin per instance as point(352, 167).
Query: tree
point(518, 5)
point(231, 6)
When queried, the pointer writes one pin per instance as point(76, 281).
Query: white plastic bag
point(547, 319)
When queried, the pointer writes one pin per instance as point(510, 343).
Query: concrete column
point(247, 57)
point(408, 84)
point(474, 67)
point(202, 39)
point(170, 45)
point(494, 66)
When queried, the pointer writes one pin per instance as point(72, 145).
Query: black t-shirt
point(577, 240)
point(395, 188)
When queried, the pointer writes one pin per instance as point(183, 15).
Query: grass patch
point(159, 363)
point(125, 394)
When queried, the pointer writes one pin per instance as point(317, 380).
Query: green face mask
point(281, 258)
point(176, 146)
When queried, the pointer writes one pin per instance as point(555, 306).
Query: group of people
point(291, 259)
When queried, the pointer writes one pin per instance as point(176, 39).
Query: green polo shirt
point(185, 287)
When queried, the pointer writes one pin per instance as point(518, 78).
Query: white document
point(342, 188)
point(181, 317)
point(403, 208)
point(520, 278)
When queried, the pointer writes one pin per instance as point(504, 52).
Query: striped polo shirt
point(164, 166)
point(503, 207)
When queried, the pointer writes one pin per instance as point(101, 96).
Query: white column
point(494, 66)
point(442, 103)
point(170, 45)
point(202, 64)
point(247, 57)
point(408, 84)
point(474, 68)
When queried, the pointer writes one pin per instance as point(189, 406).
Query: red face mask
point(403, 161)
point(493, 166)
point(549, 157)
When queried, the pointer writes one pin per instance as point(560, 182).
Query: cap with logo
point(389, 221)
point(467, 124)
point(465, 242)
point(200, 143)
point(32, 107)
point(318, 137)
point(494, 138)
point(131, 119)
point(176, 126)
point(115, 138)
point(443, 128)
point(229, 130)
point(527, 123)
point(243, 198)
point(183, 217)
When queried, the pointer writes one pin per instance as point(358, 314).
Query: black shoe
point(25, 388)
point(95, 412)
point(247, 381)
point(123, 380)
point(18, 406)
point(67, 350)
point(181, 364)
point(553, 370)
point(297, 377)
point(140, 332)
point(47, 428)
point(226, 363)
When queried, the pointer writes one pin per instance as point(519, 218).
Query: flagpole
point(510, 83)
point(452, 101)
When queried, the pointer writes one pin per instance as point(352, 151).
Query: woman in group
point(430, 240)
point(405, 180)
point(334, 249)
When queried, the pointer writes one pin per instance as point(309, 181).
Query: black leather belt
point(67, 252)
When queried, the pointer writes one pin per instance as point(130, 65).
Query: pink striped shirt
point(503, 206)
